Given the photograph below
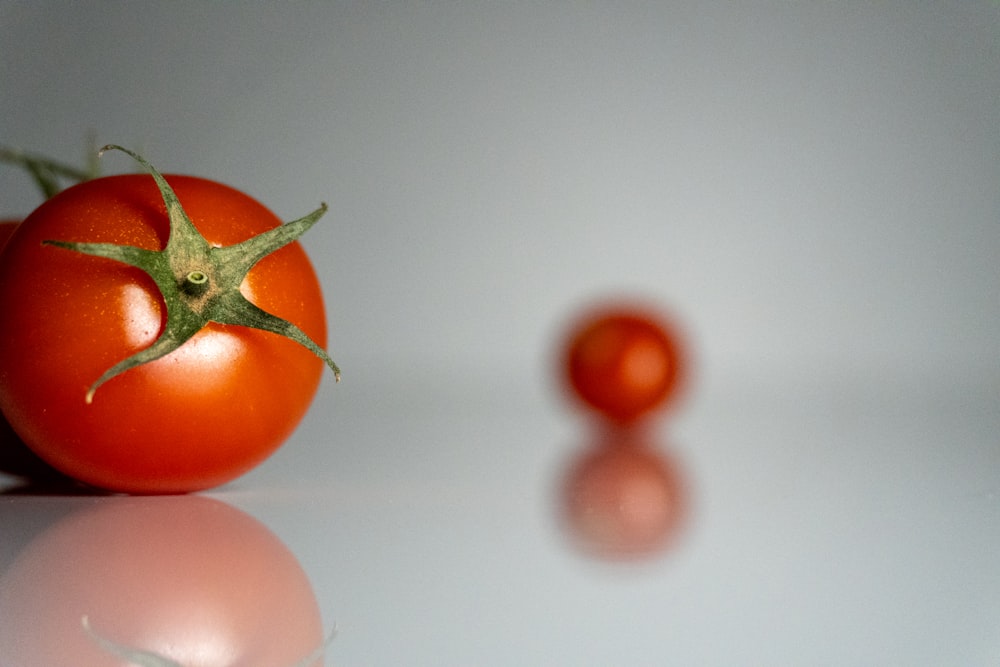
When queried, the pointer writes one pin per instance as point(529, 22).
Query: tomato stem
point(47, 173)
point(199, 283)
point(195, 283)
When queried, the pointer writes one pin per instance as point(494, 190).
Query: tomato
point(7, 228)
point(15, 458)
point(624, 498)
point(198, 417)
point(188, 579)
point(18, 460)
point(8, 440)
point(623, 362)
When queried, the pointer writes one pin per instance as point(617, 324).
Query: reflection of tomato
point(187, 578)
point(194, 419)
point(623, 498)
point(622, 362)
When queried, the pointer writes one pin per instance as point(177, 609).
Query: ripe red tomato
point(7, 228)
point(624, 498)
point(196, 418)
point(623, 361)
point(15, 458)
point(187, 579)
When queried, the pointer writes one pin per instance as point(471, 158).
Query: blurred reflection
point(179, 580)
point(623, 497)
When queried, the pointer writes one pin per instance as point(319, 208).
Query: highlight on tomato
point(623, 361)
point(173, 580)
point(160, 334)
point(624, 497)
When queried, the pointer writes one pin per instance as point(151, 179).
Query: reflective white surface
point(829, 522)
point(810, 188)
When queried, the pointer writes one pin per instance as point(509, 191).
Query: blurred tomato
point(623, 498)
point(622, 361)
point(188, 579)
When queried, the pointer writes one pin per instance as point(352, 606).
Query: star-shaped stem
point(200, 283)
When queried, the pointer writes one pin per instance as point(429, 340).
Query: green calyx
point(199, 283)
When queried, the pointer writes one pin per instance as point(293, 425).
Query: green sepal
point(200, 283)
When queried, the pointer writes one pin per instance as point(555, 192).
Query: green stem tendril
point(48, 173)
point(200, 283)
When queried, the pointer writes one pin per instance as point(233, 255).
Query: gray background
point(811, 188)
point(808, 185)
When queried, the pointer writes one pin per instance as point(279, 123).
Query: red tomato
point(624, 498)
point(15, 458)
point(18, 460)
point(7, 228)
point(196, 418)
point(186, 578)
point(7, 437)
point(623, 362)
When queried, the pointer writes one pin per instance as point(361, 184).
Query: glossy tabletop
point(839, 522)
point(809, 189)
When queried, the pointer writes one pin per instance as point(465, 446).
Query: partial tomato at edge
point(15, 457)
point(7, 228)
point(197, 418)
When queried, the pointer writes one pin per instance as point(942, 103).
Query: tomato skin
point(188, 578)
point(623, 362)
point(7, 228)
point(195, 419)
point(15, 457)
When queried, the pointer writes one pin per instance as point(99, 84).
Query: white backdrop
point(808, 186)
point(812, 188)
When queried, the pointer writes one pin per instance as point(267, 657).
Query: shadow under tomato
point(33, 475)
point(161, 581)
point(623, 497)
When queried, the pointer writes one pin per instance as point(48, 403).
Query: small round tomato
point(623, 498)
point(622, 361)
point(209, 410)
point(180, 580)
